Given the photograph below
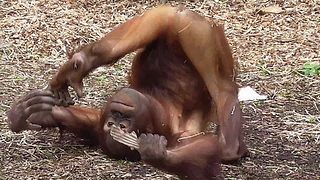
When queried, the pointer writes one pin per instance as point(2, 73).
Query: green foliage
point(313, 119)
point(88, 91)
point(310, 69)
point(118, 67)
point(19, 78)
point(103, 78)
point(258, 102)
point(264, 70)
point(261, 64)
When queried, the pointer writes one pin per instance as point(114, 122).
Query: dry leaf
point(270, 9)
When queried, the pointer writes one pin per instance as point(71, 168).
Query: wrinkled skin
point(34, 103)
point(153, 147)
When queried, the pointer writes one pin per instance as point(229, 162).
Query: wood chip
point(270, 9)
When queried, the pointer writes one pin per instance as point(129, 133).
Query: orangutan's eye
point(122, 126)
point(110, 124)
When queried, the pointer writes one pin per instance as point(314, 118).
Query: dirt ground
point(282, 133)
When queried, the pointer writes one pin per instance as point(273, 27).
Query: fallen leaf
point(270, 9)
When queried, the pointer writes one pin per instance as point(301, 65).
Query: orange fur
point(187, 73)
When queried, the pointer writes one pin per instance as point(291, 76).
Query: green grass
point(103, 78)
point(310, 69)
